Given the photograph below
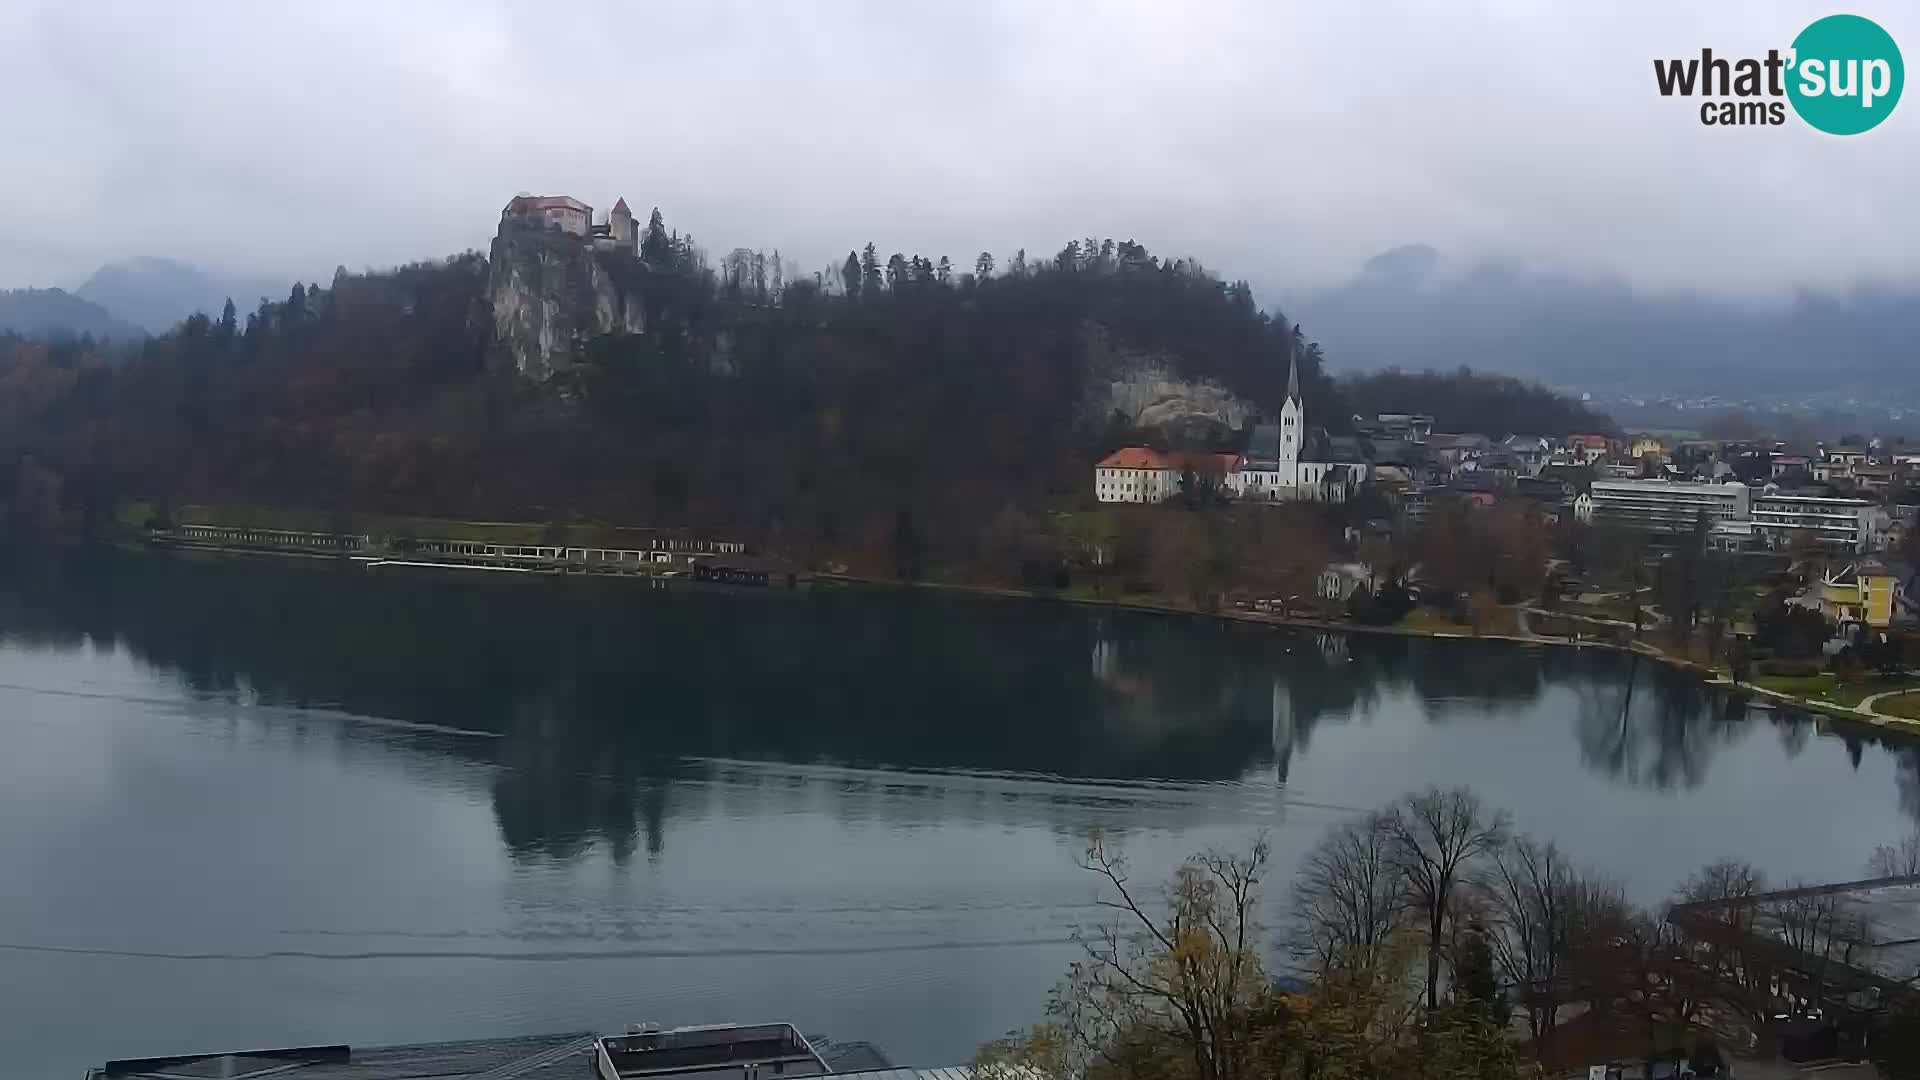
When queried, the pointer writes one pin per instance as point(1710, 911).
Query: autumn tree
point(1174, 988)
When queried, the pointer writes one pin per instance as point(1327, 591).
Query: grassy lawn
point(1434, 621)
point(1907, 705)
point(1824, 687)
point(1806, 686)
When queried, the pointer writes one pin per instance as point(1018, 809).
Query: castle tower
point(620, 227)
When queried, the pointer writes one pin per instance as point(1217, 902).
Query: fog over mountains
point(1414, 308)
point(156, 293)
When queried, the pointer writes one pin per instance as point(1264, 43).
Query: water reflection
point(602, 702)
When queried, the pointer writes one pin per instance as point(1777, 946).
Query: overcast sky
point(1282, 142)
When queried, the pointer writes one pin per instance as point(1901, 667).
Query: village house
point(1588, 449)
point(1339, 581)
point(1869, 592)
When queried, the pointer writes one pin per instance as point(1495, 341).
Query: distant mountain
point(1415, 309)
point(57, 313)
point(157, 293)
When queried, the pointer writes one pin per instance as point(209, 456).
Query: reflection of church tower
point(1282, 712)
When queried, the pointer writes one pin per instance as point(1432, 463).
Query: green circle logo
point(1846, 75)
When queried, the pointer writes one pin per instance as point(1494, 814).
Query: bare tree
point(1896, 860)
point(1186, 980)
point(1821, 926)
point(1438, 836)
point(1659, 984)
point(1538, 922)
point(1722, 908)
point(1347, 896)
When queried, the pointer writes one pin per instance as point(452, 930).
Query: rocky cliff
point(1151, 394)
point(551, 292)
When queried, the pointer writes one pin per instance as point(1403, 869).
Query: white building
point(1662, 505)
point(1852, 524)
point(1135, 474)
point(1143, 475)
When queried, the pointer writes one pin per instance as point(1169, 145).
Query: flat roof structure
point(713, 1052)
point(1870, 935)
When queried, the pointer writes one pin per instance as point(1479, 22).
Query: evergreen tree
point(1475, 986)
point(983, 265)
point(944, 272)
point(897, 273)
point(229, 321)
point(870, 276)
point(655, 247)
point(850, 274)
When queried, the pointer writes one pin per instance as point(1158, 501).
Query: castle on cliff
point(569, 215)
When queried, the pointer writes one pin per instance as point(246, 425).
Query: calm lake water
point(247, 803)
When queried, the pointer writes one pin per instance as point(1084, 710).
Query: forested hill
point(1467, 400)
point(904, 401)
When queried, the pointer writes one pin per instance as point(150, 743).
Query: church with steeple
point(1286, 460)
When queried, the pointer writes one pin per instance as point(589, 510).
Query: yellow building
point(1864, 592)
point(1646, 446)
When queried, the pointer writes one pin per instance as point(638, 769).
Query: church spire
point(1293, 366)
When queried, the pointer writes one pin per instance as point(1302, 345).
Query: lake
point(266, 802)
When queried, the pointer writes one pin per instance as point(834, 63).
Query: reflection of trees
point(1908, 782)
point(600, 693)
point(1656, 727)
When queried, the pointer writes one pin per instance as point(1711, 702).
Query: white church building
point(1280, 464)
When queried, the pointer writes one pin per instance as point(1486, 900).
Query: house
point(1874, 477)
point(1647, 446)
point(1500, 463)
point(1782, 464)
point(1588, 448)
point(1396, 427)
point(1448, 451)
point(1868, 592)
point(1531, 451)
point(1339, 581)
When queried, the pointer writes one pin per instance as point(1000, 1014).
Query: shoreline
point(1710, 676)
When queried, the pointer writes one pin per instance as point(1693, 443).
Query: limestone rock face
point(550, 293)
point(1149, 393)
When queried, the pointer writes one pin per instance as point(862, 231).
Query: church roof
point(621, 207)
point(1293, 373)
